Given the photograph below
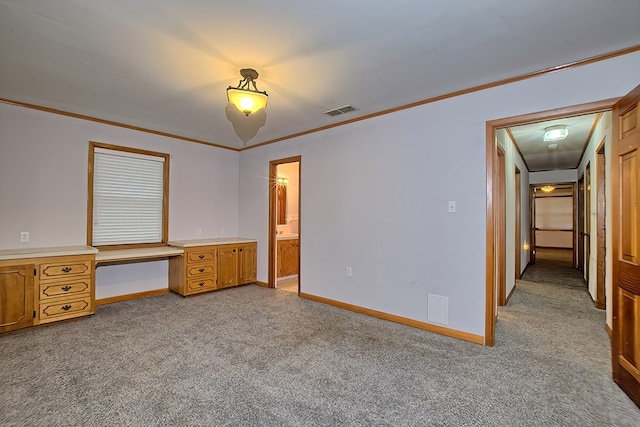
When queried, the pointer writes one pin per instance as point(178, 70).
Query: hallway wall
point(513, 160)
point(602, 133)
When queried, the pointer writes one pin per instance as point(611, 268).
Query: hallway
point(551, 325)
point(554, 266)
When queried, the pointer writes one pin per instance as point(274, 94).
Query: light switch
point(452, 206)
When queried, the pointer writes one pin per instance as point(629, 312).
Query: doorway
point(493, 205)
point(553, 222)
point(601, 235)
point(518, 216)
point(501, 229)
point(284, 224)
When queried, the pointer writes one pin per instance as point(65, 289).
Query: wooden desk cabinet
point(211, 264)
point(45, 285)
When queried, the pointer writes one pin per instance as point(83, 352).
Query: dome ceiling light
point(555, 133)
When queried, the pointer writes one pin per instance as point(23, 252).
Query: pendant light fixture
point(244, 98)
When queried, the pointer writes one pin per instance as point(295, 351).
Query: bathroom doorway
point(284, 224)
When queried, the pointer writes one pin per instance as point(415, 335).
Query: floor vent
point(340, 110)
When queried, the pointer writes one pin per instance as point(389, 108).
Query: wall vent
point(340, 110)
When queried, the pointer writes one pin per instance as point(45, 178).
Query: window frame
point(165, 196)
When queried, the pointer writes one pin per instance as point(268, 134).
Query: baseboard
point(509, 296)
point(609, 331)
point(476, 339)
point(128, 297)
point(263, 284)
point(525, 269)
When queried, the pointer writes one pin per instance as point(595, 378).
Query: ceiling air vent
point(340, 110)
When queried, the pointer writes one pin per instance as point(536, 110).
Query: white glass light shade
point(555, 133)
point(247, 101)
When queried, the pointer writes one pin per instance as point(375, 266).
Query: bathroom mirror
point(281, 196)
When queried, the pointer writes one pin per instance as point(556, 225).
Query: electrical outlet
point(198, 231)
point(349, 271)
point(24, 237)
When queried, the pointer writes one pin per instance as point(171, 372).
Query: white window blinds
point(128, 191)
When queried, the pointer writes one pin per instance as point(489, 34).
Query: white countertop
point(210, 242)
point(286, 236)
point(137, 254)
point(7, 254)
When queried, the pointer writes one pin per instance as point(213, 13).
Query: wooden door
point(227, 266)
point(16, 297)
point(532, 229)
point(518, 216)
point(625, 182)
point(501, 230)
point(247, 263)
point(580, 261)
point(601, 232)
point(587, 222)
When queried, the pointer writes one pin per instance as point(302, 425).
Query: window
point(128, 196)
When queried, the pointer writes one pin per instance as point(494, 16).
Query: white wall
point(513, 160)
point(553, 177)
point(374, 195)
point(602, 133)
point(43, 189)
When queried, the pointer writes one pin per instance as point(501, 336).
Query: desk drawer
point(66, 287)
point(65, 308)
point(201, 285)
point(64, 269)
point(199, 270)
point(201, 255)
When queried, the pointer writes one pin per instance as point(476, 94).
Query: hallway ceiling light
point(547, 188)
point(555, 133)
point(243, 97)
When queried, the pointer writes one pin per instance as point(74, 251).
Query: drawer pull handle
point(234, 251)
point(200, 256)
point(65, 307)
point(66, 288)
point(201, 284)
point(201, 270)
point(240, 250)
point(66, 269)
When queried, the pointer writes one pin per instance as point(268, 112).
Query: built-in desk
point(43, 285)
point(212, 264)
point(119, 256)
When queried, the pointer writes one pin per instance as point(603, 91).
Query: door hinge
point(35, 272)
point(34, 314)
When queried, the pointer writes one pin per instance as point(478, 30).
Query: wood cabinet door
point(289, 258)
point(625, 344)
point(16, 297)
point(247, 263)
point(227, 266)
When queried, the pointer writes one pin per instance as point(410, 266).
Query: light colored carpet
point(252, 356)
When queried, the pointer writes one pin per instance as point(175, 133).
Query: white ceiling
point(537, 154)
point(165, 64)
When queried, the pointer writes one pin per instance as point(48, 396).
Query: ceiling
point(164, 65)
point(541, 156)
